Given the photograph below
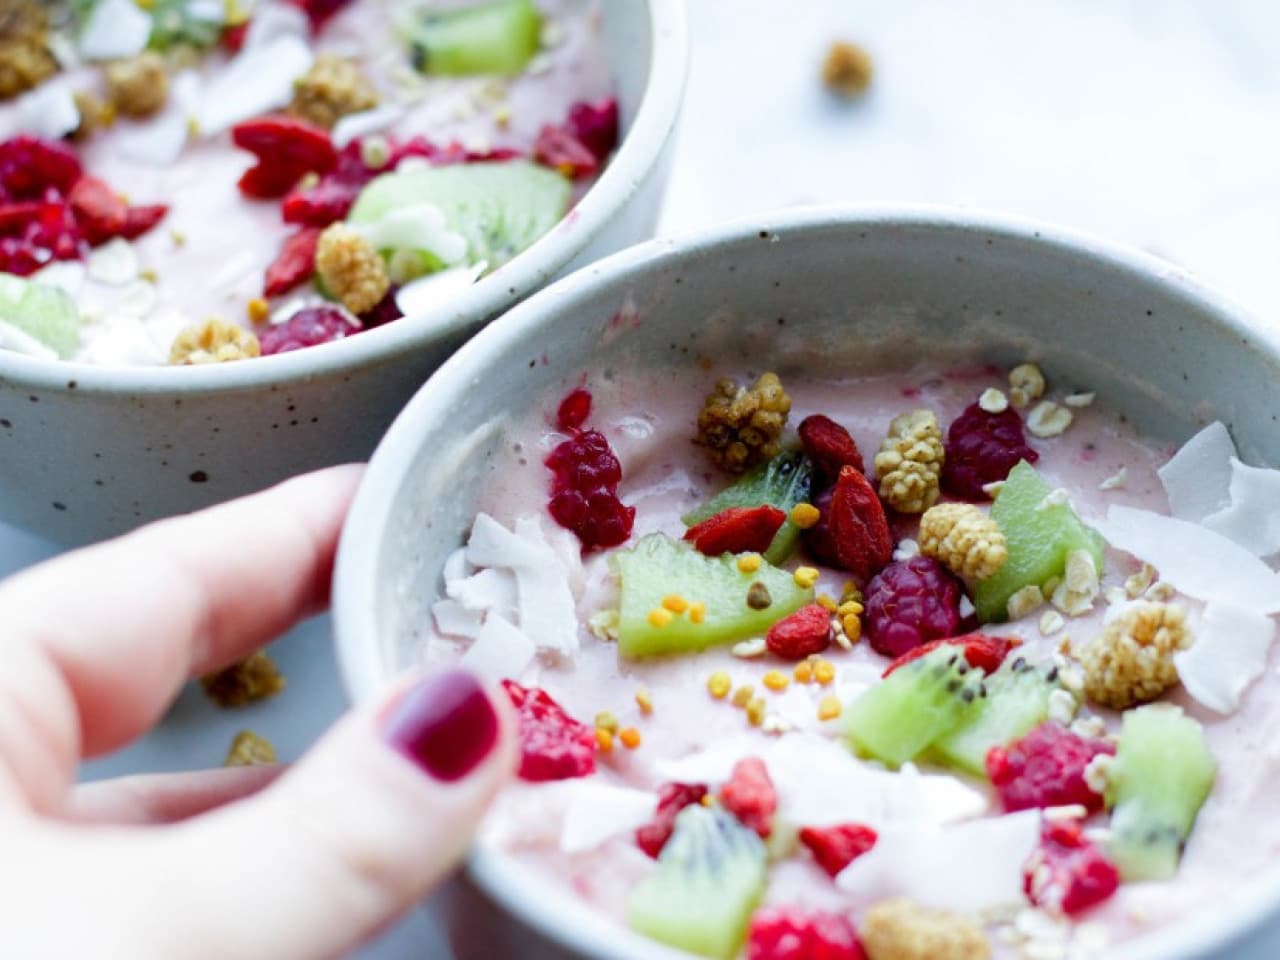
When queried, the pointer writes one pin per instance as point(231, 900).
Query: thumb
point(362, 828)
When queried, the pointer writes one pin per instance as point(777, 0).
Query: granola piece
point(910, 462)
point(25, 58)
point(139, 86)
point(1131, 661)
point(901, 929)
point(351, 269)
point(252, 679)
point(95, 114)
point(213, 341)
point(848, 69)
point(333, 87)
point(250, 750)
point(742, 426)
point(964, 539)
point(1026, 383)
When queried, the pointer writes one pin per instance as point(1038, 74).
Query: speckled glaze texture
point(815, 290)
point(89, 452)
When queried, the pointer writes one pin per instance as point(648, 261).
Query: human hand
point(302, 863)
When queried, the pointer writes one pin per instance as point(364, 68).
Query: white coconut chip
point(968, 866)
point(1230, 652)
point(19, 341)
point(114, 263)
point(273, 21)
point(1195, 561)
point(493, 545)
point(66, 275)
point(456, 566)
point(492, 589)
point(500, 651)
point(420, 226)
point(435, 290)
point(454, 620)
point(258, 80)
point(356, 125)
point(159, 141)
point(598, 811)
point(48, 111)
point(1252, 520)
point(543, 597)
point(1198, 477)
point(115, 30)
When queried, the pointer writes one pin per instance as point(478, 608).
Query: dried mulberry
point(1131, 661)
point(25, 58)
point(252, 679)
point(331, 89)
point(351, 269)
point(250, 750)
point(910, 462)
point(964, 539)
point(138, 87)
point(740, 426)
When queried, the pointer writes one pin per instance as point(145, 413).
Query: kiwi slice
point(1017, 700)
point(500, 207)
point(500, 37)
point(46, 313)
point(1040, 535)
point(1162, 774)
point(782, 482)
point(709, 878)
point(923, 700)
point(178, 22)
point(736, 604)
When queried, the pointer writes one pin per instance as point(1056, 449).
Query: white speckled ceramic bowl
point(87, 452)
point(797, 286)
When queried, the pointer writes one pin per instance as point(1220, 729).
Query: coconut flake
point(493, 545)
point(275, 21)
point(1230, 652)
point(260, 79)
point(1197, 479)
point(456, 566)
point(115, 30)
point(544, 599)
point(435, 290)
point(1252, 519)
point(455, 620)
point(420, 226)
point(159, 141)
point(357, 125)
point(490, 589)
point(1195, 561)
point(500, 651)
point(970, 866)
point(49, 111)
point(114, 263)
point(65, 275)
point(598, 811)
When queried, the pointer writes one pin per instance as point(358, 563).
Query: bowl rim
point(554, 913)
point(639, 153)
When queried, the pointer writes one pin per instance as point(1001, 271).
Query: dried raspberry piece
point(100, 212)
point(982, 448)
point(586, 461)
point(910, 603)
point(1045, 768)
point(750, 796)
point(853, 532)
point(981, 651)
point(386, 310)
point(1066, 873)
point(325, 203)
point(559, 149)
point(309, 327)
point(801, 634)
point(286, 149)
point(584, 493)
point(553, 745)
point(29, 166)
point(573, 410)
point(319, 12)
point(595, 125)
point(19, 257)
point(829, 446)
point(737, 530)
point(232, 38)
point(836, 847)
point(672, 798)
point(139, 220)
point(55, 230)
point(790, 933)
point(14, 217)
point(296, 262)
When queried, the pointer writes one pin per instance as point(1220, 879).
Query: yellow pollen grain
point(824, 672)
point(742, 696)
point(803, 672)
point(848, 607)
point(604, 740)
point(659, 617)
point(805, 515)
point(755, 711)
point(827, 602)
point(718, 684)
point(829, 708)
point(258, 309)
point(776, 680)
point(675, 603)
point(708, 800)
point(630, 737)
point(852, 626)
point(749, 562)
point(644, 701)
point(806, 577)
point(697, 611)
point(605, 720)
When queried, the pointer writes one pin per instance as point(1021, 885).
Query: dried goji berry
point(853, 532)
point(829, 446)
point(672, 798)
point(1066, 873)
point(99, 210)
point(141, 219)
point(836, 847)
point(981, 651)
point(296, 262)
point(803, 633)
point(232, 38)
point(561, 150)
point(737, 530)
point(553, 745)
point(29, 166)
point(286, 149)
point(595, 125)
point(573, 410)
point(750, 795)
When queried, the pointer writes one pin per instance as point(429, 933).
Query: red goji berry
point(829, 446)
point(853, 532)
point(836, 847)
point(286, 149)
point(750, 795)
point(553, 745)
point(737, 530)
point(296, 262)
point(672, 798)
point(980, 650)
point(803, 633)
point(141, 219)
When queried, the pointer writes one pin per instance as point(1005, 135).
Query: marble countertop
point(1153, 124)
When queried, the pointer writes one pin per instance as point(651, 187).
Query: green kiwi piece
point(499, 37)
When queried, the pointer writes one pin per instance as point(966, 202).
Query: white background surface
point(1151, 122)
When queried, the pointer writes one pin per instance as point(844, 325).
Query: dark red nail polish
point(445, 724)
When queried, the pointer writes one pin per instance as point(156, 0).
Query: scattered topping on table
point(742, 426)
point(250, 750)
point(350, 269)
point(963, 539)
point(835, 847)
point(901, 929)
point(553, 745)
point(910, 461)
point(1067, 874)
point(333, 88)
point(847, 69)
point(252, 679)
point(1132, 660)
point(1046, 768)
point(789, 933)
point(910, 603)
point(213, 341)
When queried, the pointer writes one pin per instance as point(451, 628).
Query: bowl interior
point(807, 292)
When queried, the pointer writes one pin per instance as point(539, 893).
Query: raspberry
point(55, 229)
point(982, 448)
point(737, 530)
point(29, 166)
point(910, 603)
point(19, 257)
point(836, 847)
point(789, 933)
point(386, 310)
point(853, 532)
point(672, 798)
point(99, 210)
point(14, 217)
point(1067, 874)
point(574, 410)
point(981, 651)
point(584, 493)
point(1045, 768)
point(595, 125)
point(553, 745)
point(803, 633)
point(286, 150)
point(295, 264)
point(750, 796)
point(308, 327)
point(830, 447)
point(319, 12)
point(561, 150)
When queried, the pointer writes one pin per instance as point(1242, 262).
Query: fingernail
point(445, 724)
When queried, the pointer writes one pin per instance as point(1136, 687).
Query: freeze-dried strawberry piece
point(584, 493)
point(801, 634)
point(595, 125)
point(319, 12)
point(139, 220)
point(737, 530)
point(55, 230)
point(286, 149)
point(836, 847)
point(99, 210)
point(14, 217)
point(296, 262)
point(672, 798)
point(553, 745)
point(29, 166)
point(1066, 873)
point(829, 446)
point(573, 410)
point(559, 149)
point(910, 603)
point(982, 448)
point(750, 796)
point(19, 257)
point(1045, 768)
point(790, 933)
point(327, 202)
point(981, 651)
point(853, 532)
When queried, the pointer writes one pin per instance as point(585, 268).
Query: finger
point(99, 641)
point(167, 797)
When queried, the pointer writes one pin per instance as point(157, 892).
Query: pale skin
point(283, 863)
